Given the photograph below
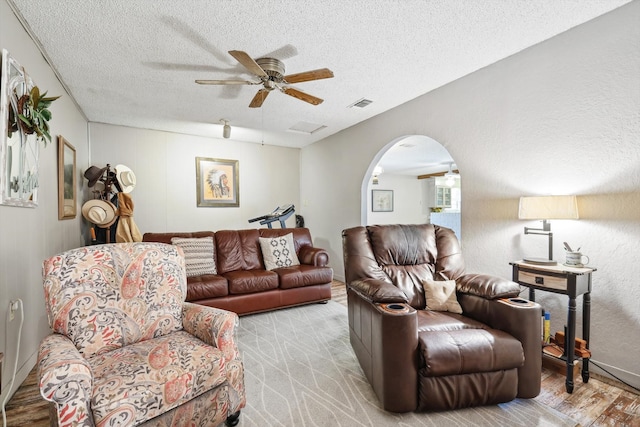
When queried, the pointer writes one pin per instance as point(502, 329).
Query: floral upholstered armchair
point(127, 350)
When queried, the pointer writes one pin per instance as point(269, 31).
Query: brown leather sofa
point(243, 284)
point(424, 360)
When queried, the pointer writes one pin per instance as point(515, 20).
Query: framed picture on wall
point(66, 179)
point(19, 149)
point(217, 182)
point(382, 200)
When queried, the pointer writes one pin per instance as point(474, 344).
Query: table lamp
point(546, 208)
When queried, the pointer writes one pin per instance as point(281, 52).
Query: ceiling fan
point(271, 74)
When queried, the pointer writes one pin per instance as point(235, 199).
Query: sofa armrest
point(313, 256)
point(486, 286)
point(378, 291)
point(65, 378)
point(213, 326)
point(217, 327)
point(519, 318)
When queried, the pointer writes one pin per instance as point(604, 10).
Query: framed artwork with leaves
point(24, 122)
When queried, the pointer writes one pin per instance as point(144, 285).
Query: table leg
point(532, 295)
point(586, 325)
point(569, 343)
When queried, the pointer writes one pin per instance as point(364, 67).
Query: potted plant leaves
point(34, 114)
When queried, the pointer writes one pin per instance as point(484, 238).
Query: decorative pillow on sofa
point(441, 295)
point(198, 255)
point(278, 252)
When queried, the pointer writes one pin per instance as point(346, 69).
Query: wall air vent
point(361, 103)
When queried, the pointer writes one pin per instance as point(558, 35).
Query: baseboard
point(630, 378)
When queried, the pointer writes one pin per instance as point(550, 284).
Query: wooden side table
point(565, 280)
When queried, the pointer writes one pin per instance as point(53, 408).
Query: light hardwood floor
point(600, 402)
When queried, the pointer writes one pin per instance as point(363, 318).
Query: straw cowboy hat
point(126, 178)
point(99, 212)
point(93, 174)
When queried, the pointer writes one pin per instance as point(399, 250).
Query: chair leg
point(233, 419)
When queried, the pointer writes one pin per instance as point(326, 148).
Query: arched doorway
point(406, 184)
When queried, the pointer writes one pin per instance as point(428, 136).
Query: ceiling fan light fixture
point(270, 71)
point(226, 129)
point(450, 177)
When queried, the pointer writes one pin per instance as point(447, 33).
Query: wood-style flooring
point(600, 402)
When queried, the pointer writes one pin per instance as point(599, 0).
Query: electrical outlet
point(13, 306)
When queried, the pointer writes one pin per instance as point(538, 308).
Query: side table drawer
point(543, 280)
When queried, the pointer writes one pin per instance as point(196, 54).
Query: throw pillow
point(278, 252)
point(199, 255)
point(441, 295)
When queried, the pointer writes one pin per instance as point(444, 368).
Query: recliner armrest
point(486, 286)
point(521, 319)
point(375, 290)
point(65, 378)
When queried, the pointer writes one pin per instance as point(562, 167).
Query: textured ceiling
point(134, 62)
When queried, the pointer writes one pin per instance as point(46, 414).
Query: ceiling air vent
point(361, 103)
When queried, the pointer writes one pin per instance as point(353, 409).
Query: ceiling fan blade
point(248, 62)
point(257, 100)
point(302, 96)
point(322, 73)
point(226, 82)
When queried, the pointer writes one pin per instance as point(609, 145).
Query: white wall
point(408, 200)
point(165, 168)
point(28, 236)
point(562, 117)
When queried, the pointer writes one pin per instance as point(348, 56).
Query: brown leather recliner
point(424, 360)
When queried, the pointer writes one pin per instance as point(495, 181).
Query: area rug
point(300, 370)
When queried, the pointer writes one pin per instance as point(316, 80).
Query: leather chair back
point(403, 255)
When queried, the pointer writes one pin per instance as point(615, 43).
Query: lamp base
point(540, 261)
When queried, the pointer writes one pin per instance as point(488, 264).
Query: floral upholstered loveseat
point(127, 350)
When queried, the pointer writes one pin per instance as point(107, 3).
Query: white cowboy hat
point(126, 178)
point(99, 212)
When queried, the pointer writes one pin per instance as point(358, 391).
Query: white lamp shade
point(548, 207)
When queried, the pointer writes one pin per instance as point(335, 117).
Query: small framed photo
point(217, 182)
point(66, 179)
point(382, 200)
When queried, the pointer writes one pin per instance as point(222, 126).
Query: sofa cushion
point(468, 351)
point(181, 367)
point(278, 252)
point(440, 295)
point(199, 255)
point(206, 286)
point(303, 275)
point(238, 250)
point(444, 321)
point(250, 281)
